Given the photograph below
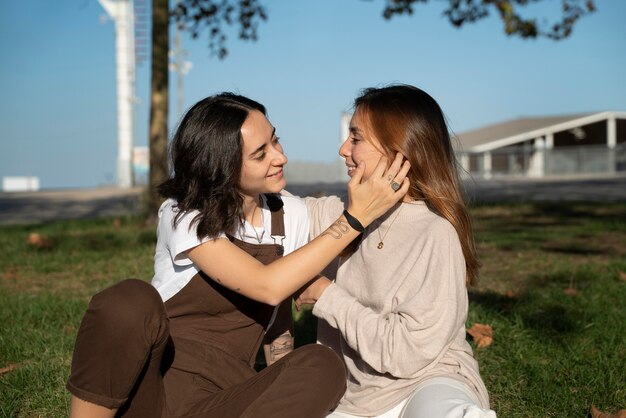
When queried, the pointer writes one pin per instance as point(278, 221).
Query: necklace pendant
point(380, 245)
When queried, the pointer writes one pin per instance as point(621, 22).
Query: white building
point(20, 184)
point(590, 143)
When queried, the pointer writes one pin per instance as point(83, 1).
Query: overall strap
point(275, 204)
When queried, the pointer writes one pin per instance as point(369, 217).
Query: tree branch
point(211, 15)
point(460, 12)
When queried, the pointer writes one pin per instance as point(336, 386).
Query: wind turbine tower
point(121, 12)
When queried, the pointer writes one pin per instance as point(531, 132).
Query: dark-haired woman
point(186, 346)
point(397, 310)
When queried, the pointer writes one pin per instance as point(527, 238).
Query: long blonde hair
point(406, 119)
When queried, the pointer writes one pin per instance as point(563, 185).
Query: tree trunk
point(158, 103)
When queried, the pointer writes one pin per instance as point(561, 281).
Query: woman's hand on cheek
point(373, 197)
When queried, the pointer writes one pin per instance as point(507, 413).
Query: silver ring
point(395, 186)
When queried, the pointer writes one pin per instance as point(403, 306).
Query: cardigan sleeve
point(323, 211)
point(428, 311)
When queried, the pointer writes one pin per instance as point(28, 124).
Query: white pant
point(439, 397)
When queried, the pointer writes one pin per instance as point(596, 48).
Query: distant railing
point(526, 161)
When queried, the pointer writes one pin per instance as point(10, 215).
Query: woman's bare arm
point(235, 269)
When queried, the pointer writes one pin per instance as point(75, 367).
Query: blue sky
point(57, 76)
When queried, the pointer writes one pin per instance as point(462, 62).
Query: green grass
point(549, 287)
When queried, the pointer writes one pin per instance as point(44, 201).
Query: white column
point(121, 11)
point(464, 161)
point(547, 154)
point(536, 163)
point(344, 132)
point(611, 142)
point(344, 129)
point(487, 164)
point(611, 132)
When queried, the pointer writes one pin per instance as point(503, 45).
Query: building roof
point(523, 129)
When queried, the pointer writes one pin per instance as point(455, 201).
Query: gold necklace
point(381, 244)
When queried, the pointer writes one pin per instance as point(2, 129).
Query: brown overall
point(205, 340)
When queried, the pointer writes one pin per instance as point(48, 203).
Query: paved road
point(606, 189)
point(46, 206)
point(599, 189)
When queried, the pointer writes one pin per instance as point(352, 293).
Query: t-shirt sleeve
point(303, 231)
point(296, 220)
point(181, 237)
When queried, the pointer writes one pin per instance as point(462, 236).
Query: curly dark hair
point(206, 154)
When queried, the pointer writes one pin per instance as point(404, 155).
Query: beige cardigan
point(396, 315)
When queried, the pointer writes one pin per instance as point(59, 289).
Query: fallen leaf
point(509, 294)
point(570, 291)
point(117, 223)
point(11, 272)
point(7, 369)
point(621, 275)
point(482, 334)
point(595, 413)
point(36, 240)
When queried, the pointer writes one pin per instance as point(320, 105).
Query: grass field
point(552, 287)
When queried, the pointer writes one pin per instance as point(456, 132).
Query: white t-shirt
point(173, 269)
